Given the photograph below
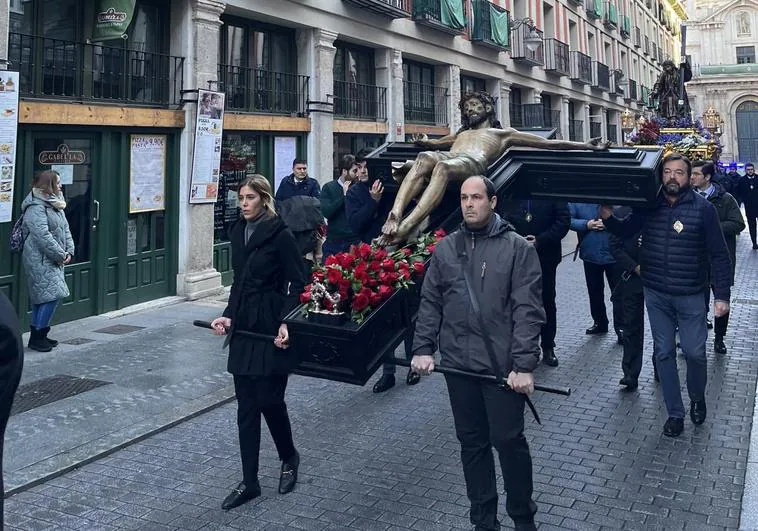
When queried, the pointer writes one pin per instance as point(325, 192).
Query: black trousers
point(547, 337)
point(486, 416)
point(720, 324)
point(632, 300)
point(751, 217)
point(258, 396)
point(593, 275)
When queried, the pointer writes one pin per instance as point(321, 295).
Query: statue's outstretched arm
point(521, 139)
point(446, 142)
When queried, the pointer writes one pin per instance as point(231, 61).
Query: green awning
point(452, 14)
point(499, 26)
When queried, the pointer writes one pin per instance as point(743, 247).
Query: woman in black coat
point(268, 278)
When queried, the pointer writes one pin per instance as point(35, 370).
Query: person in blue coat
point(595, 251)
point(298, 183)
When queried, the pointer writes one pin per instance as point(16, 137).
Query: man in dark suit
point(11, 362)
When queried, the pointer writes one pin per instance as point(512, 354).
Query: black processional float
point(351, 353)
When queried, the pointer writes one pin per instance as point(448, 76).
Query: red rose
point(388, 264)
point(365, 291)
point(375, 265)
point(318, 276)
point(372, 282)
point(331, 260)
point(384, 277)
point(345, 261)
point(440, 233)
point(343, 284)
point(375, 300)
point(431, 247)
point(404, 274)
point(407, 251)
point(393, 276)
point(385, 292)
point(305, 297)
point(334, 275)
point(360, 302)
point(364, 251)
point(380, 254)
point(418, 267)
point(344, 295)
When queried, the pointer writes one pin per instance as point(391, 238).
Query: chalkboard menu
point(238, 160)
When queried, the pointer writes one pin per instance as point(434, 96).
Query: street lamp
point(533, 39)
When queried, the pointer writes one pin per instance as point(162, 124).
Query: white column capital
point(324, 38)
point(208, 12)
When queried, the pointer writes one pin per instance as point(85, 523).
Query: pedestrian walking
point(748, 193)
point(268, 277)
point(732, 223)
point(11, 364)
point(681, 242)
point(544, 224)
point(595, 251)
point(339, 236)
point(48, 248)
point(485, 320)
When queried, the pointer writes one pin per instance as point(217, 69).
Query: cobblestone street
point(391, 461)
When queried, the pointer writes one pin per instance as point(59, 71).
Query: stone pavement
point(390, 462)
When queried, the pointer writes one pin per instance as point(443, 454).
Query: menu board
point(285, 151)
point(206, 160)
point(8, 133)
point(147, 173)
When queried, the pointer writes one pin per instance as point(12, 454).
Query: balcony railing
point(263, 91)
point(557, 57)
point(660, 55)
point(646, 47)
point(59, 69)
point(576, 130)
point(631, 91)
point(654, 54)
point(534, 115)
point(390, 8)
point(644, 96)
point(430, 13)
point(581, 67)
point(601, 76)
point(611, 15)
point(626, 27)
point(521, 53)
point(594, 8)
point(491, 25)
point(618, 77)
point(425, 104)
point(596, 129)
point(612, 133)
point(360, 102)
point(637, 37)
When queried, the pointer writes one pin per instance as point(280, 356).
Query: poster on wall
point(285, 151)
point(147, 173)
point(206, 159)
point(8, 135)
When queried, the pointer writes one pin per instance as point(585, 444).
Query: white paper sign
point(206, 160)
point(66, 172)
point(8, 134)
point(285, 151)
point(147, 170)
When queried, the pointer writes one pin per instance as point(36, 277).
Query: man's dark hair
point(299, 161)
point(347, 162)
point(749, 164)
point(678, 156)
point(361, 156)
point(708, 168)
point(488, 184)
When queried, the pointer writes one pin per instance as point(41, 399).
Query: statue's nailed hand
point(596, 144)
point(420, 139)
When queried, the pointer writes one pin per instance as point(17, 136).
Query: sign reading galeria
point(147, 173)
point(112, 19)
point(206, 160)
point(8, 134)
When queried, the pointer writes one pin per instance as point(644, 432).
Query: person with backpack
point(48, 247)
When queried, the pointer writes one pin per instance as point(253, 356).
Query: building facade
point(722, 38)
point(310, 78)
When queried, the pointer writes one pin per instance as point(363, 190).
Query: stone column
point(4, 21)
point(389, 73)
point(604, 123)
point(586, 128)
point(537, 96)
point(197, 276)
point(564, 106)
point(316, 52)
point(504, 107)
point(450, 77)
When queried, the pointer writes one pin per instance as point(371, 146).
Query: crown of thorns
point(482, 96)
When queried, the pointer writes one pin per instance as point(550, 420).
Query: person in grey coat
point(48, 247)
point(504, 279)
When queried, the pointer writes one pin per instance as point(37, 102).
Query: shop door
point(72, 157)
point(747, 131)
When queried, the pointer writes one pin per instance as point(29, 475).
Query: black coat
point(11, 363)
point(268, 279)
point(730, 216)
point(747, 191)
point(547, 221)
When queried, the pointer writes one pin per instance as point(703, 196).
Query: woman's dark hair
point(678, 156)
point(47, 181)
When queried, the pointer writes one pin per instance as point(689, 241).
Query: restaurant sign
point(62, 155)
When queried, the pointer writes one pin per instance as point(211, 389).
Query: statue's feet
point(391, 225)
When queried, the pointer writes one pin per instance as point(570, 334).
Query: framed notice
point(8, 134)
point(147, 173)
point(206, 159)
point(285, 151)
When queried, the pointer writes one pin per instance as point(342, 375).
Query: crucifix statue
point(472, 150)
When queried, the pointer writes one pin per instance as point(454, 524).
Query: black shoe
point(718, 346)
point(755, 246)
point(525, 526)
point(37, 341)
point(413, 378)
point(629, 383)
point(240, 495)
point(697, 412)
point(673, 427)
point(44, 331)
point(596, 329)
point(548, 357)
point(709, 324)
point(387, 381)
point(288, 478)
point(620, 337)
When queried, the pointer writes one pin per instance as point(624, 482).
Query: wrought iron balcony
point(637, 37)
point(360, 102)
point(618, 78)
point(557, 57)
point(430, 13)
point(581, 67)
point(520, 52)
point(534, 116)
point(390, 8)
point(654, 54)
point(644, 96)
point(612, 132)
point(576, 130)
point(425, 104)
point(80, 71)
point(596, 129)
point(660, 55)
point(594, 8)
point(611, 15)
point(601, 76)
point(626, 27)
point(631, 91)
point(258, 90)
point(491, 25)
point(646, 47)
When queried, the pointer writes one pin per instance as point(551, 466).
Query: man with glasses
point(681, 242)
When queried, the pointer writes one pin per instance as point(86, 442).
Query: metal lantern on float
point(627, 120)
point(712, 120)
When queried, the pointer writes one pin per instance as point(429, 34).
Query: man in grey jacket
point(505, 279)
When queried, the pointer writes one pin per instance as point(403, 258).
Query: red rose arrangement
point(360, 280)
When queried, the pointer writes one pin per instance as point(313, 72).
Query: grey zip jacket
point(506, 275)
